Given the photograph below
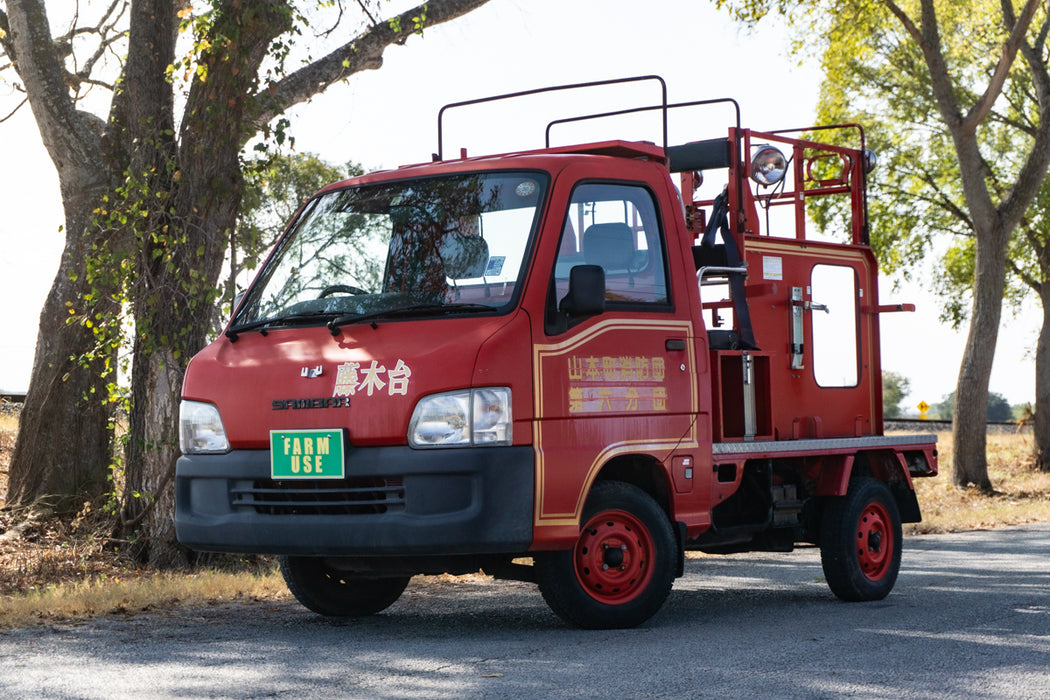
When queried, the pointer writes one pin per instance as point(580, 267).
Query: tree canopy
point(999, 410)
point(894, 388)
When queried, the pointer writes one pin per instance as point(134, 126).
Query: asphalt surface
point(969, 618)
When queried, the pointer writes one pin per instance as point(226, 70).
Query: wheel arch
point(643, 471)
point(648, 473)
point(888, 466)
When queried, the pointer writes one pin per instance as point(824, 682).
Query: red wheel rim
point(875, 541)
point(613, 557)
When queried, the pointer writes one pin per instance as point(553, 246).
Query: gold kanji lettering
point(658, 369)
point(346, 379)
point(372, 382)
point(399, 379)
point(632, 399)
point(659, 399)
point(575, 400)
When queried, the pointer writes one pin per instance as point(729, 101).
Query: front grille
point(352, 496)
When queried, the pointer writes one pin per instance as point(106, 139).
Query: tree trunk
point(149, 499)
point(155, 376)
point(1042, 385)
point(970, 416)
point(62, 452)
point(62, 449)
point(176, 269)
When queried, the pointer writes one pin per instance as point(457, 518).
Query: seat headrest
point(609, 245)
point(464, 256)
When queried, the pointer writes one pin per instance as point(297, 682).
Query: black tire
point(622, 567)
point(335, 593)
point(860, 541)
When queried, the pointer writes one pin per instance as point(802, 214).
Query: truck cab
point(557, 366)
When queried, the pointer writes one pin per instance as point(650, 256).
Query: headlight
point(768, 166)
point(870, 160)
point(462, 418)
point(200, 429)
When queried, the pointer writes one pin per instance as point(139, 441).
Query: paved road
point(970, 617)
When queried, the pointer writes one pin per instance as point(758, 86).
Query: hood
point(366, 380)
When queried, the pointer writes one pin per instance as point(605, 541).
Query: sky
point(388, 117)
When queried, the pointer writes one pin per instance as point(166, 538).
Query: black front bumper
point(394, 501)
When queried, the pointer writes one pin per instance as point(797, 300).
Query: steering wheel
point(344, 288)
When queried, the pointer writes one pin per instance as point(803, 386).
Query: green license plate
point(306, 454)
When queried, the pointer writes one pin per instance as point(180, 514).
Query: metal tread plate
point(821, 444)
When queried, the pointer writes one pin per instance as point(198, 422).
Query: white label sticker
point(772, 268)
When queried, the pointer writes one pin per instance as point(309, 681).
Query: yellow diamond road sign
point(923, 407)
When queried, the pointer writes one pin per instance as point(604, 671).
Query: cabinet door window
point(834, 294)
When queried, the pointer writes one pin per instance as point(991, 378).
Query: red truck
point(558, 366)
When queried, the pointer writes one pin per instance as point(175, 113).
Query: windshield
point(445, 244)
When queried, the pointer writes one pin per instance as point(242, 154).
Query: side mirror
point(586, 295)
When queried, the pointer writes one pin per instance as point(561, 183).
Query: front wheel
point(860, 542)
point(621, 569)
point(329, 591)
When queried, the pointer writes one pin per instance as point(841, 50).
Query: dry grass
point(1022, 495)
point(78, 600)
point(55, 569)
point(60, 570)
point(8, 428)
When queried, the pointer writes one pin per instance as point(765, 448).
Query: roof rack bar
point(826, 127)
point(666, 107)
point(556, 88)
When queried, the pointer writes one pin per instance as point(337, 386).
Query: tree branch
point(368, 14)
point(1023, 275)
point(1033, 55)
point(944, 202)
point(927, 37)
point(1040, 41)
point(14, 111)
point(906, 22)
point(1018, 31)
point(5, 37)
point(104, 45)
point(1024, 127)
point(70, 140)
point(1037, 244)
point(364, 52)
point(1030, 177)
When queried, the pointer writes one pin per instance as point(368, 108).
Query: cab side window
point(616, 227)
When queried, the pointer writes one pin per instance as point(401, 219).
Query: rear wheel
point(860, 542)
point(621, 569)
point(336, 593)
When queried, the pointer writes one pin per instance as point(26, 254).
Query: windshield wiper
point(234, 332)
point(421, 309)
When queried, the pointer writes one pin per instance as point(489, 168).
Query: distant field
point(1022, 494)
